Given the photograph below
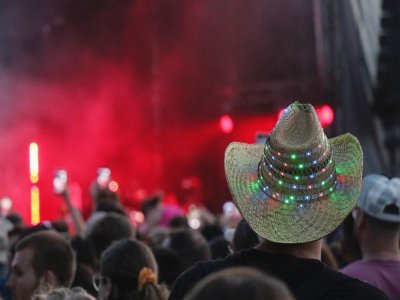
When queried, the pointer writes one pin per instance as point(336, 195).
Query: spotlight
point(226, 124)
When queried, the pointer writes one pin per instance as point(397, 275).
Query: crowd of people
point(310, 227)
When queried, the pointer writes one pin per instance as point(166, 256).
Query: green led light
point(280, 182)
point(287, 201)
point(254, 186)
point(323, 182)
point(297, 177)
point(301, 166)
point(293, 156)
point(291, 197)
point(331, 189)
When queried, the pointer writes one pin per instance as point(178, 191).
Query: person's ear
point(360, 221)
point(48, 279)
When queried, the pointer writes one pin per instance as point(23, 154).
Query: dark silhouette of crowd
point(303, 224)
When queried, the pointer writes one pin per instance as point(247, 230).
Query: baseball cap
point(380, 197)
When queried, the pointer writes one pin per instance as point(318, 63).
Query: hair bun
point(146, 275)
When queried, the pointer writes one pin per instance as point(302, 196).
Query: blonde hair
point(76, 293)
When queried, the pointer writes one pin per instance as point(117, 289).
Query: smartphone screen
point(60, 181)
point(103, 177)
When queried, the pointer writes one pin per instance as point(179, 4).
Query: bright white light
point(6, 203)
point(194, 223)
point(136, 216)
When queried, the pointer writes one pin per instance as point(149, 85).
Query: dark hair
point(244, 237)
point(210, 231)
point(51, 252)
point(219, 247)
point(178, 222)
point(84, 251)
point(239, 283)
point(83, 278)
point(106, 196)
point(122, 263)
point(190, 245)
point(150, 203)
point(108, 229)
point(61, 226)
point(109, 207)
point(15, 219)
point(170, 265)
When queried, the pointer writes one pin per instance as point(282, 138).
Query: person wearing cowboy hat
point(293, 191)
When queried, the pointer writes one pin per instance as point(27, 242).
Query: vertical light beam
point(35, 205)
point(34, 162)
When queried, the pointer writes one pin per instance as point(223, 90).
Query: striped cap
point(380, 197)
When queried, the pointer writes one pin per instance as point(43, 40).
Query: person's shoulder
point(355, 268)
point(331, 284)
point(200, 270)
point(354, 289)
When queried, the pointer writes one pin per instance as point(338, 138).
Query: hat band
point(312, 177)
point(287, 198)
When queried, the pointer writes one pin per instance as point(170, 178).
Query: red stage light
point(226, 124)
point(280, 113)
point(325, 115)
point(113, 186)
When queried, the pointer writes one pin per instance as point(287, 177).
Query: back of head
point(106, 196)
point(51, 252)
point(170, 265)
point(15, 219)
point(190, 245)
point(109, 207)
point(132, 269)
point(244, 237)
point(219, 247)
point(107, 229)
point(239, 283)
point(178, 222)
point(150, 203)
point(211, 231)
point(380, 198)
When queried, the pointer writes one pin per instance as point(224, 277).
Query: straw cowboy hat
point(300, 185)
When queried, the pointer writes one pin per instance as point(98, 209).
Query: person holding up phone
point(104, 199)
point(60, 187)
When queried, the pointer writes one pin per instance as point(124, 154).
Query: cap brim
point(279, 222)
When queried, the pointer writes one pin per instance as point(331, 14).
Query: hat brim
point(280, 222)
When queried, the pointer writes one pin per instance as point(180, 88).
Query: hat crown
point(297, 164)
point(298, 129)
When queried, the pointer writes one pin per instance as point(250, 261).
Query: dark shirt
point(308, 279)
